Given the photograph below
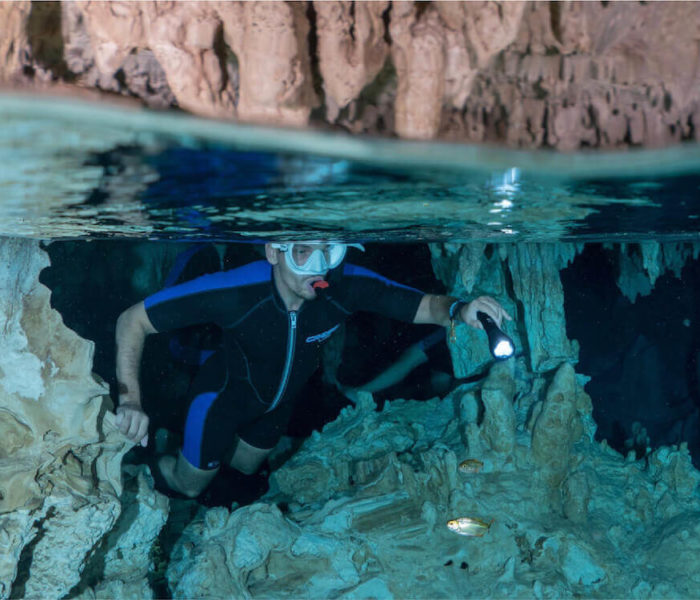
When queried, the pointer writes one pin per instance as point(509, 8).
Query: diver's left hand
point(487, 305)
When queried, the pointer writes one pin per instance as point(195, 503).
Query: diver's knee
point(184, 477)
point(247, 469)
point(247, 459)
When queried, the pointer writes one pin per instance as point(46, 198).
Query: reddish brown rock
point(591, 75)
point(419, 54)
point(350, 34)
point(14, 17)
point(270, 41)
point(526, 74)
point(181, 36)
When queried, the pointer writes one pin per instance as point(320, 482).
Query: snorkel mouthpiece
point(500, 344)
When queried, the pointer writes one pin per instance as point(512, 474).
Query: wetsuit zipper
point(291, 342)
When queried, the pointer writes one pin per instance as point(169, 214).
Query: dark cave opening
point(642, 356)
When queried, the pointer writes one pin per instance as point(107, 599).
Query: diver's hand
point(133, 423)
point(487, 305)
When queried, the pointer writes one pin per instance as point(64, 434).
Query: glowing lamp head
point(503, 349)
point(500, 344)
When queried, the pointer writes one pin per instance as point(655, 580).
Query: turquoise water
point(73, 169)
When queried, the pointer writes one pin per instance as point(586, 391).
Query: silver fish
point(469, 526)
point(471, 465)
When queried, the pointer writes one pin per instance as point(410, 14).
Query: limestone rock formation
point(468, 271)
point(13, 41)
point(537, 286)
point(557, 424)
point(536, 301)
point(642, 264)
point(527, 74)
point(269, 40)
point(60, 455)
point(497, 395)
point(351, 34)
point(121, 565)
point(365, 501)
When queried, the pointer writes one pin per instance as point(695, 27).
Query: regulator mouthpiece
point(321, 284)
point(500, 344)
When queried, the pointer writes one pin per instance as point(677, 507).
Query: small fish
point(471, 527)
point(471, 465)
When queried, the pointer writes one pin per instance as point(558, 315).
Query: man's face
point(291, 283)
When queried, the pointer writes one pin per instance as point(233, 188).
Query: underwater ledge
point(363, 502)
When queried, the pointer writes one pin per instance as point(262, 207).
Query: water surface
point(75, 169)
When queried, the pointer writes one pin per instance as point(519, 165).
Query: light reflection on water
point(73, 170)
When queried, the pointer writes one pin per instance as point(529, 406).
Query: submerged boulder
point(61, 454)
point(385, 484)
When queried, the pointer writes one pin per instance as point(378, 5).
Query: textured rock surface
point(497, 395)
point(367, 500)
point(60, 456)
point(537, 286)
point(121, 565)
point(642, 264)
point(352, 35)
point(557, 425)
point(13, 41)
point(468, 271)
point(527, 74)
point(536, 301)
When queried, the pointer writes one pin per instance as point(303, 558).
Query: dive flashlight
point(500, 344)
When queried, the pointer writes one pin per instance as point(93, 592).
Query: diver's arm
point(133, 325)
point(435, 310)
point(411, 358)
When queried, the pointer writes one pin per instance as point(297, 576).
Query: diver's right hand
point(133, 423)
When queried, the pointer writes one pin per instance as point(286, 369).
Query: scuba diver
point(275, 316)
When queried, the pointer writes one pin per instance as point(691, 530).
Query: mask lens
point(302, 253)
point(336, 253)
point(312, 258)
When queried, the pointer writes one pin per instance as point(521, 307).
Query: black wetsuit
point(267, 353)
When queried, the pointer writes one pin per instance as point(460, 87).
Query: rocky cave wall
point(564, 75)
point(61, 490)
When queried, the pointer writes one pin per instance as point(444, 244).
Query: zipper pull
point(293, 319)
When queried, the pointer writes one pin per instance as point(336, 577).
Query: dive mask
point(314, 258)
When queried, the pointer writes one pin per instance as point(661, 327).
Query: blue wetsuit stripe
point(251, 274)
point(194, 427)
point(351, 270)
point(180, 264)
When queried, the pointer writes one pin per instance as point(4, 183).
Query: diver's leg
point(260, 436)
point(247, 459)
point(206, 433)
point(183, 477)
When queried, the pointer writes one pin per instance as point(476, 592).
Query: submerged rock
point(384, 486)
point(60, 457)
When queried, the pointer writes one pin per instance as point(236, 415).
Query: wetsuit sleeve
point(214, 298)
point(362, 289)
